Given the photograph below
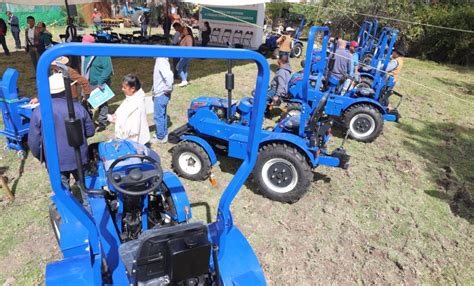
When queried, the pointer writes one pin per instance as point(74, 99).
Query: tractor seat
point(365, 92)
point(174, 253)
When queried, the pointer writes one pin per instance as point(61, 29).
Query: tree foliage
point(420, 41)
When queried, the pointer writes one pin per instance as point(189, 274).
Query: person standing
point(71, 31)
point(186, 40)
point(32, 40)
point(396, 63)
point(45, 38)
point(205, 34)
point(284, 43)
point(66, 154)
point(97, 20)
point(98, 70)
point(130, 118)
point(3, 33)
point(14, 28)
point(144, 21)
point(162, 88)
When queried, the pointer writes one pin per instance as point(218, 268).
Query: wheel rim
point(362, 125)
point(279, 175)
point(189, 163)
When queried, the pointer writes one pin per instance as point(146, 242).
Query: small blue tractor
point(131, 224)
point(16, 113)
point(287, 152)
point(363, 109)
point(270, 44)
point(367, 38)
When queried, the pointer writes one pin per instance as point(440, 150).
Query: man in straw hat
point(67, 161)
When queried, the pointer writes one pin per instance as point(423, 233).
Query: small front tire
point(190, 161)
point(364, 122)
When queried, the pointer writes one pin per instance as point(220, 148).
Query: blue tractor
point(287, 152)
point(131, 226)
point(367, 38)
point(16, 113)
point(363, 109)
point(270, 44)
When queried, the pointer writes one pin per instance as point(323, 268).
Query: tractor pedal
point(213, 180)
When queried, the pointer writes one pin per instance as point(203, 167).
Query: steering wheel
point(135, 176)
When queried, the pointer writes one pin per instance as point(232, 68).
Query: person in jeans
point(186, 40)
point(14, 28)
point(162, 88)
point(98, 70)
point(3, 33)
point(66, 154)
point(32, 40)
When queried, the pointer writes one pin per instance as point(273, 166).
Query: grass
point(402, 213)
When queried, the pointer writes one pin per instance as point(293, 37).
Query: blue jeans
point(182, 68)
point(160, 102)
point(16, 36)
point(144, 29)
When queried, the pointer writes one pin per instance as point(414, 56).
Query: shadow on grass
point(463, 87)
point(206, 206)
point(447, 148)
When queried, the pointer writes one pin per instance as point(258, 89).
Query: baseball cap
point(354, 44)
point(88, 39)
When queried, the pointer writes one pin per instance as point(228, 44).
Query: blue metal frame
point(206, 146)
point(222, 232)
point(16, 119)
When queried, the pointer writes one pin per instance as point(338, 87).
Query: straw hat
point(56, 83)
point(61, 60)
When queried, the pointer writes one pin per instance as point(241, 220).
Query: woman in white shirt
point(130, 118)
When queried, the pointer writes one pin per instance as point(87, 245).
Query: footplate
point(175, 135)
point(341, 154)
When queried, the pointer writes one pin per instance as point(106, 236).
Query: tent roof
point(227, 2)
point(47, 2)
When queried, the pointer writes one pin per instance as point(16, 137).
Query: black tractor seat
point(365, 92)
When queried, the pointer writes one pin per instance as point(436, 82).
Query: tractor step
point(341, 154)
point(175, 135)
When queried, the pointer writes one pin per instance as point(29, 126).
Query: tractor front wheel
point(190, 161)
point(282, 173)
point(364, 122)
point(297, 50)
point(55, 219)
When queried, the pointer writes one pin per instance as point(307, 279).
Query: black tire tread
point(272, 150)
point(366, 108)
point(198, 150)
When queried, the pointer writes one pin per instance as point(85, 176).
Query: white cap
point(289, 29)
point(56, 83)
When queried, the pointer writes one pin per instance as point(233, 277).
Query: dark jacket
point(280, 81)
point(45, 41)
point(29, 45)
point(66, 155)
point(99, 72)
point(14, 24)
point(342, 64)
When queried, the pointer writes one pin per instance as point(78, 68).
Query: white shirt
point(162, 77)
point(131, 122)
point(31, 35)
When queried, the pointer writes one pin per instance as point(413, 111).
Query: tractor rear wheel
point(364, 122)
point(282, 173)
point(190, 161)
point(297, 51)
point(55, 219)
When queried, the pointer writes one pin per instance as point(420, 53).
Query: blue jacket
point(67, 161)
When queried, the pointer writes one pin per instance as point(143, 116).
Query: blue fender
point(203, 143)
point(179, 197)
point(337, 105)
point(76, 270)
point(291, 139)
point(369, 75)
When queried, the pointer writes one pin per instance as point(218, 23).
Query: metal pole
point(229, 85)
point(67, 9)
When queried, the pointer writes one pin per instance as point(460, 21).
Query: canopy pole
point(67, 10)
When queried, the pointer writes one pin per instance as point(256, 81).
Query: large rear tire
point(364, 122)
point(190, 161)
point(282, 173)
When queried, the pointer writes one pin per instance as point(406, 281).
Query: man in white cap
point(284, 42)
point(67, 162)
